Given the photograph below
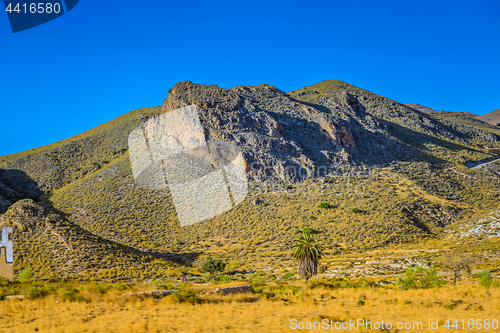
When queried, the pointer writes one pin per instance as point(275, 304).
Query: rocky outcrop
point(352, 102)
point(281, 138)
point(340, 135)
point(234, 290)
point(152, 293)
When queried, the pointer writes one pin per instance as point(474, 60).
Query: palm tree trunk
point(307, 268)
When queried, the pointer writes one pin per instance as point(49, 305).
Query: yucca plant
point(307, 253)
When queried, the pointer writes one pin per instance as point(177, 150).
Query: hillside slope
point(56, 248)
point(421, 108)
point(492, 118)
point(389, 173)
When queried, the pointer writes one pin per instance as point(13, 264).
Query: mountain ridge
point(410, 167)
point(492, 118)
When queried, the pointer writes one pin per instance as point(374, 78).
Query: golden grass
point(238, 313)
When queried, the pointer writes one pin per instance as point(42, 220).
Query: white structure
point(6, 244)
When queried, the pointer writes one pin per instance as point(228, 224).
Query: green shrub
point(268, 294)
point(122, 286)
point(419, 278)
point(99, 288)
point(257, 280)
point(485, 279)
point(360, 302)
point(207, 277)
point(25, 275)
point(71, 295)
point(450, 306)
point(323, 204)
point(213, 265)
point(186, 296)
point(4, 282)
point(36, 292)
point(288, 276)
point(223, 278)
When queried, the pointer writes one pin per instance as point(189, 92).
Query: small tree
point(213, 265)
point(307, 253)
point(418, 277)
point(25, 275)
point(457, 265)
point(486, 280)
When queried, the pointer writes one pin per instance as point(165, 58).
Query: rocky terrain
point(421, 108)
point(390, 174)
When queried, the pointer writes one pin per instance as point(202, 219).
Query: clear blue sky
point(105, 58)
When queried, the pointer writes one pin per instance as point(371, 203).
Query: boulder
point(234, 290)
point(152, 293)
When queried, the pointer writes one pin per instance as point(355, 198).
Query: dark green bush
point(99, 288)
point(122, 286)
point(323, 204)
point(419, 278)
point(72, 295)
point(213, 265)
point(222, 278)
point(186, 296)
point(36, 292)
point(485, 279)
point(25, 275)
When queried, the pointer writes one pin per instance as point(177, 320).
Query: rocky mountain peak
point(281, 137)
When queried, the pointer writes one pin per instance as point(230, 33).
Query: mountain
point(471, 114)
point(493, 117)
point(426, 109)
point(389, 173)
point(420, 108)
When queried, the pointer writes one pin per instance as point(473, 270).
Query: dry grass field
point(271, 310)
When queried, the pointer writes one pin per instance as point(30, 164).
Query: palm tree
point(307, 253)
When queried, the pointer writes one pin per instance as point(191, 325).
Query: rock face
point(88, 215)
point(309, 133)
point(419, 107)
point(7, 197)
point(282, 138)
point(234, 290)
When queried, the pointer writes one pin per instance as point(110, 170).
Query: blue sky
point(105, 58)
